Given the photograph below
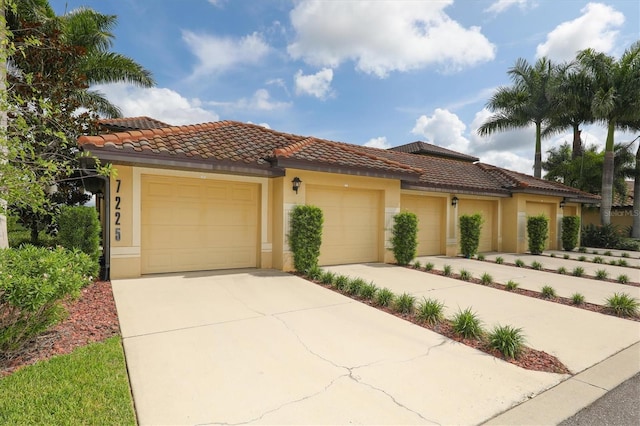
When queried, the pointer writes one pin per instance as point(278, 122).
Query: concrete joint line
point(313, 308)
point(242, 302)
point(173, 330)
point(575, 378)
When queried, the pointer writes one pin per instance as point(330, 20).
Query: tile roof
point(243, 147)
point(626, 201)
point(424, 148)
point(130, 123)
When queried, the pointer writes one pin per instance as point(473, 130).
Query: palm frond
point(111, 67)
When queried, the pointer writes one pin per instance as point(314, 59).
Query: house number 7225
point(117, 213)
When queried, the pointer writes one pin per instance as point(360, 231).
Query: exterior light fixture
point(296, 183)
point(454, 201)
point(562, 203)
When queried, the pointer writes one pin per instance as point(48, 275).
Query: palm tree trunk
point(607, 177)
point(635, 232)
point(537, 162)
point(4, 241)
point(577, 142)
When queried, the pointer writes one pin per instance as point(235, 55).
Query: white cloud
point(385, 36)
point(318, 84)
point(160, 103)
point(508, 160)
point(500, 6)
point(380, 142)
point(444, 128)
point(261, 101)
point(218, 54)
point(596, 28)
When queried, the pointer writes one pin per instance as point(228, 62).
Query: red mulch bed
point(92, 318)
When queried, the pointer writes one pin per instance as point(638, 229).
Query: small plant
point(577, 299)
point(327, 278)
point(341, 282)
point(314, 273)
point(536, 265)
point(368, 291)
point(623, 279)
point(480, 257)
point(384, 297)
point(597, 259)
point(430, 311)
point(624, 254)
point(562, 270)
point(506, 339)
point(465, 275)
point(511, 285)
point(552, 255)
point(578, 271)
point(466, 324)
point(429, 266)
point(499, 260)
point(582, 258)
point(582, 249)
point(608, 253)
point(613, 262)
point(595, 252)
point(566, 256)
point(622, 305)
point(354, 286)
point(486, 279)
point(447, 270)
point(404, 304)
point(622, 262)
point(602, 274)
point(417, 264)
point(519, 263)
point(548, 292)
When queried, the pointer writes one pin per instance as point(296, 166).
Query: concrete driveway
point(260, 346)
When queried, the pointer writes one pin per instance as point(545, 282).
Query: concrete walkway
point(266, 347)
point(594, 291)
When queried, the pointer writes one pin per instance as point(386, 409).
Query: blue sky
point(381, 73)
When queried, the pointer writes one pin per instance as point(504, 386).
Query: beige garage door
point(351, 231)
point(536, 209)
point(193, 224)
point(431, 222)
point(487, 210)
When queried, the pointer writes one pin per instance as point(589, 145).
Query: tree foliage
point(404, 240)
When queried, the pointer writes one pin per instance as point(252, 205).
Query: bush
point(597, 259)
point(608, 253)
point(562, 270)
point(511, 285)
point(578, 271)
point(582, 249)
point(499, 260)
point(466, 324)
point(354, 286)
point(447, 270)
point(33, 283)
point(486, 279)
point(305, 237)
point(384, 297)
point(481, 257)
point(548, 292)
point(622, 305)
point(327, 278)
point(314, 273)
point(577, 299)
point(570, 232)
point(417, 265)
point(536, 265)
point(623, 279)
point(470, 229)
point(582, 258)
point(606, 236)
point(538, 232)
point(404, 241)
point(622, 262)
point(79, 228)
point(430, 311)
point(429, 266)
point(566, 256)
point(368, 291)
point(341, 282)
point(404, 304)
point(519, 263)
point(465, 275)
point(506, 339)
point(602, 274)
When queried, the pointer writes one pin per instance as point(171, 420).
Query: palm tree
point(527, 101)
point(616, 102)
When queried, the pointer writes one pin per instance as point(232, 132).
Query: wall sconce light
point(296, 183)
point(454, 201)
point(562, 203)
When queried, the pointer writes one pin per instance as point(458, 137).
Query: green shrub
point(623, 279)
point(354, 286)
point(582, 258)
point(548, 292)
point(466, 324)
point(305, 237)
point(624, 254)
point(404, 240)
point(582, 249)
point(79, 228)
point(486, 279)
point(570, 232)
point(537, 232)
point(327, 278)
point(480, 257)
point(578, 271)
point(577, 299)
point(314, 273)
point(595, 252)
point(470, 229)
point(562, 270)
point(368, 291)
point(606, 236)
point(622, 305)
point(602, 274)
point(511, 285)
point(552, 255)
point(417, 265)
point(622, 262)
point(404, 304)
point(447, 270)
point(465, 275)
point(341, 282)
point(429, 266)
point(608, 253)
point(499, 260)
point(536, 265)
point(508, 340)
point(34, 281)
point(430, 311)
point(566, 256)
point(613, 262)
point(519, 263)
point(384, 297)
point(597, 259)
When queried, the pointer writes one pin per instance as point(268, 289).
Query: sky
point(377, 73)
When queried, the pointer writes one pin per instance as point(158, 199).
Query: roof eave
point(568, 196)
point(349, 170)
point(456, 189)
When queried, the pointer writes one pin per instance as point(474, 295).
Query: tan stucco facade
point(359, 213)
point(622, 218)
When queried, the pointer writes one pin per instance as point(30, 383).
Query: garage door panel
point(189, 224)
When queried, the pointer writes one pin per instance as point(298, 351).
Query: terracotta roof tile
point(130, 123)
point(423, 148)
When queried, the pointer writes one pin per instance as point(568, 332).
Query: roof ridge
point(289, 150)
point(354, 150)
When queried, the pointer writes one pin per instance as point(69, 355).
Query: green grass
point(368, 291)
point(486, 279)
point(404, 304)
point(622, 305)
point(429, 266)
point(467, 324)
point(506, 339)
point(341, 282)
point(430, 311)
point(536, 265)
point(623, 279)
point(582, 258)
point(562, 270)
point(417, 265)
point(511, 285)
point(499, 260)
point(384, 297)
point(88, 386)
point(577, 299)
point(447, 270)
point(578, 271)
point(602, 274)
point(548, 292)
point(597, 259)
point(519, 263)
point(465, 275)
